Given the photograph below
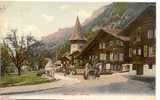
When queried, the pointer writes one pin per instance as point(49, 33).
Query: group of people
point(92, 70)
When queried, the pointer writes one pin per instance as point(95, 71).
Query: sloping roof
point(115, 33)
point(75, 53)
point(133, 19)
point(77, 33)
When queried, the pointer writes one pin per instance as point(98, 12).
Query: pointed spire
point(77, 34)
point(77, 27)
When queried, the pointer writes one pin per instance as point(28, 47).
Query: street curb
point(59, 84)
point(56, 87)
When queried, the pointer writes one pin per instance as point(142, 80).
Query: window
point(81, 46)
point(115, 56)
point(102, 56)
point(118, 42)
point(74, 46)
point(134, 52)
point(121, 43)
point(139, 51)
point(100, 46)
point(111, 56)
point(90, 57)
point(96, 57)
point(145, 51)
point(111, 43)
point(150, 34)
point(151, 51)
point(103, 45)
point(130, 52)
point(121, 55)
point(138, 37)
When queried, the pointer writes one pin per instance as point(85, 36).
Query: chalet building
point(142, 46)
point(108, 48)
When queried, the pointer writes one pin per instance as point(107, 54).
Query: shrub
point(40, 72)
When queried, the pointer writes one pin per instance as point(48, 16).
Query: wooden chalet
point(108, 48)
point(142, 44)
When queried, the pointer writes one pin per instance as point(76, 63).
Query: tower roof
point(77, 34)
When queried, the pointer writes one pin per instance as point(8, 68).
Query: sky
point(42, 18)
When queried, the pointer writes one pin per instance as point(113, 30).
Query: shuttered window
point(121, 55)
point(135, 51)
point(102, 56)
point(145, 54)
point(130, 52)
point(111, 56)
point(150, 34)
point(139, 51)
point(151, 51)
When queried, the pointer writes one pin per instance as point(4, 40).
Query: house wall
point(149, 72)
point(76, 46)
point(142, 42)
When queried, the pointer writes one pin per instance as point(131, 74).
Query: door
point(139, 69)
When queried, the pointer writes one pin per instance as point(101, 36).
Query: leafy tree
point(5, 59)
point(34, 51)
point(18, 49)
point(61, 50)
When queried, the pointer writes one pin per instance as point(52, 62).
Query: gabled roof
point(115, 33)
point(77, 33)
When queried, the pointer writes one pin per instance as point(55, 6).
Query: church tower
point(77, 39)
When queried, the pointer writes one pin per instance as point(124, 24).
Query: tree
point(18, 49)
point(34, 51)
point(5, 59)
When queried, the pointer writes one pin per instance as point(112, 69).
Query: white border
point(126, 97)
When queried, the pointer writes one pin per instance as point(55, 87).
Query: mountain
point(124, 12)
point(57, 38)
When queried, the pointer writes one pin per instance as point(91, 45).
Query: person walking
point(87, 66)
point(98, 69)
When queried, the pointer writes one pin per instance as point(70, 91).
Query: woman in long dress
point(87, 66)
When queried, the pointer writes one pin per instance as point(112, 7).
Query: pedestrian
point(86, 72)
point(98, 69)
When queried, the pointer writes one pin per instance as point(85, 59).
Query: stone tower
point(77, 39)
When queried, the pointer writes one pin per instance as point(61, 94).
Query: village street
point(107, 84)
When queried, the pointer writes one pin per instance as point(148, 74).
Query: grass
point(25, 79)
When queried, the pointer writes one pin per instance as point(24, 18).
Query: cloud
point(48, 18)
point(64, 7)
point(84, 14)
point(31, 28)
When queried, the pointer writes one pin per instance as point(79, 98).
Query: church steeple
point(77, 39)
point(77, 33)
